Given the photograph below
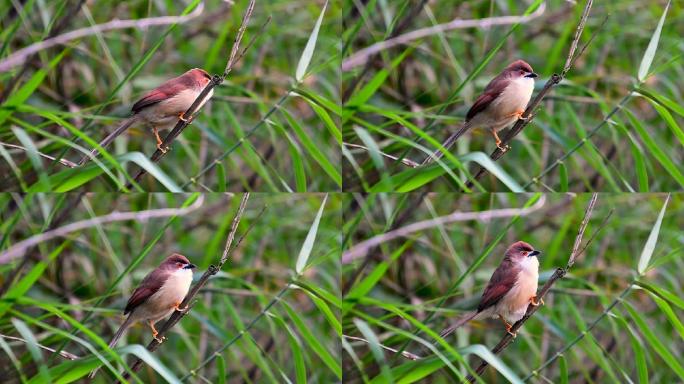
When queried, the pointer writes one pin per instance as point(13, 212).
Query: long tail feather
point(115, 133)
point(436, 155)
point(115, 340)
point(460, 322)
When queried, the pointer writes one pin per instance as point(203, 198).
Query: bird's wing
point(503, 279)
point(168, 89)
point(491, 92)
point(148, 287)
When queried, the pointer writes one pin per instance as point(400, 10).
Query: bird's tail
point(105, 142)
point(461, 321)
point(115, 339)
point(436, 155)
point(120, 332)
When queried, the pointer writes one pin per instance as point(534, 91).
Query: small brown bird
point(159, 294)
point(510, 290)
point(163, 106)
point(501, 103)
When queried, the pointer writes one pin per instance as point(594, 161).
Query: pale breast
point(514, 305)
point(162, 302)
point(166, 114)
point(514, 97)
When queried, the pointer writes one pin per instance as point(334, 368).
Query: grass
point(269, 127)
point(616, 317)
point(408, 99)
point(271, 313)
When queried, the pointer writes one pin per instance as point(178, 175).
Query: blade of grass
point(307, 54)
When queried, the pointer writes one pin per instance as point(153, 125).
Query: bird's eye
point(180, 265)
point(522, 72)
point(524, 253)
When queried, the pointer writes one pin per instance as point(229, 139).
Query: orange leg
point(533, 301)
point(182, 117)
point(155, 333)
point(179, 309)
point(519, 115)
point(159, 141)
point(508, 327)
point(502, 148)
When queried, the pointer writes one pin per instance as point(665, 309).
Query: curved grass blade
point(309, 48)
point(652, 47)
point(305, 252)
point(649, 247)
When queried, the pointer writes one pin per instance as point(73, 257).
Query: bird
point(511, 289)
point(502, 102)
point(159, 294)
point(163, 106)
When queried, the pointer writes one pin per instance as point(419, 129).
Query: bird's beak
point(534, 253)
point(531, 74)
point(190, 266)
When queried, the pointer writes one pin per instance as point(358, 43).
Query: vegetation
point(269, 127)
point(616, 317)
point(405, 100)
point(270, 315)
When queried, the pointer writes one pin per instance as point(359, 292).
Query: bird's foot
point(181, 310)
point(183, 118)
point(528, 117)
point(503, 148)
point(159, 339)
point(533, 301)
point(508, 329)
point(162, 149)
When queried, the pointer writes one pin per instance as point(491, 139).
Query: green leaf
point(327, 120)
point(34, 350)
point(654, 341)
point(151, 360)
point(563, 175)
point(485, 354)
point(153, 169)
point(313, 149)
point(495, 169)
point(652, 47)
point(20, 288)
point(305, 252)
point(366, 285)
point(312, 341)
point(662, 100)
point(638, 349)
point(649, 247)
point(22, 94)
point(368, 90)
point(674, 127)
point(664, 293)
point(669, 313)
point(329, 315)
point(376, 350)
point(34, 158)
point(563, 367)
point(655, 149)
point(309, 48)
point(221, 369)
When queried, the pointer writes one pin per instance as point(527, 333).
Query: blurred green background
point(60, 300)
point(407, 290)
point(407, 99)
point(264, 129)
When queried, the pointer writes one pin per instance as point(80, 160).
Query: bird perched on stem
point(159, 294)
point(502, 102)
point(162, 107)
point(511, 289)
